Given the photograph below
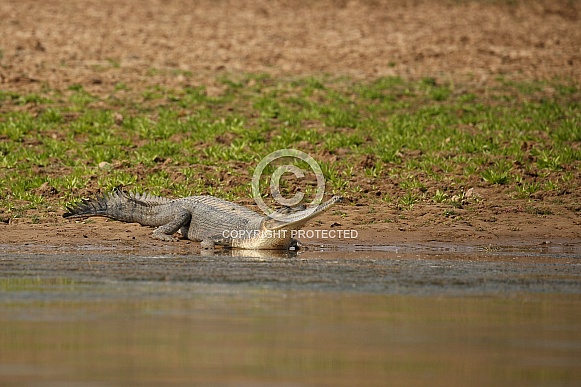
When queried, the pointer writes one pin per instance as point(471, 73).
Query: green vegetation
point(389, 138)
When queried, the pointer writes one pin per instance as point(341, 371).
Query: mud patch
point(97, 45)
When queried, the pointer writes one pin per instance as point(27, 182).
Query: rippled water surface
point(375, 316)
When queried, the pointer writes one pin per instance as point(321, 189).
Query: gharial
point(206, 219)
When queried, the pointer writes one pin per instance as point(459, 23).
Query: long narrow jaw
point(298, 218)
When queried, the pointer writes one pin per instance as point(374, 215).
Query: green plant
point(527, 189)
point(440, 196)
point(407, 201)
point(499, 173)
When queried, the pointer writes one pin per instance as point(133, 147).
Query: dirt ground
point(98, 44)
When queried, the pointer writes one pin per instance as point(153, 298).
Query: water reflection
point(317, 318)
point(219, 334)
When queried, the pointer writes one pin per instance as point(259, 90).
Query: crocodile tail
point(99, 206)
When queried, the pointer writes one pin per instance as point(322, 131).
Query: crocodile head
point(293, 219)
point(275, 231)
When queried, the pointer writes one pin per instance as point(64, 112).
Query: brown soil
point(98, 44)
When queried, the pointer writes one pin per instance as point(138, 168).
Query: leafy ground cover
point(387, 143)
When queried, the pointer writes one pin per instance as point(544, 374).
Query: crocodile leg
point(217, 240)
point(207, 244)
point(184, 231)
point(181, 220)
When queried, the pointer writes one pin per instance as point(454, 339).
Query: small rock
point(118, 117)
point(105, 165)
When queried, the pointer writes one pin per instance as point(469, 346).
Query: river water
point(369, 316)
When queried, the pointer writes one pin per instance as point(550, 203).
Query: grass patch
point(420, 141)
